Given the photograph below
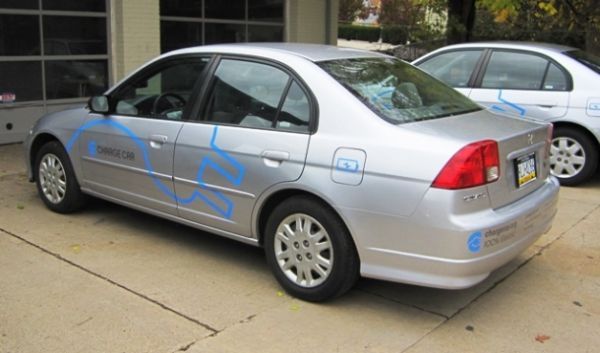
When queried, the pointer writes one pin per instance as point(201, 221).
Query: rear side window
point(454, 68)
point(295, 112)
point(257, 95)
point(555, 79)
point(511, 70)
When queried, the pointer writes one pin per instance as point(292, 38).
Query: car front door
point(523, 84)
point(253, 132)
point(127, 155)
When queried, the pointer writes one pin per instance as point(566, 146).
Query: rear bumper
point(444, 250)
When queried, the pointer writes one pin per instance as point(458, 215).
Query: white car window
point(512, 70)
point(454, 68)
point(555, 79)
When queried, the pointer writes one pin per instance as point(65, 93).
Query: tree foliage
point(349, 10)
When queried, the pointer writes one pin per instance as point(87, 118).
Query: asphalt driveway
point(110, 279)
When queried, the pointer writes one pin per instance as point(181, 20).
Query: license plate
point(525, 169)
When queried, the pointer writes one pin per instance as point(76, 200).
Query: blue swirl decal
point(474, 242)
point(206, 162)
point(516, 107)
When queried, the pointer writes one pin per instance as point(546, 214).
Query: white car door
point(523, 84)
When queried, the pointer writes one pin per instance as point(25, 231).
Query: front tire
point(310, 250)
point(55, 179)
point(573, 156)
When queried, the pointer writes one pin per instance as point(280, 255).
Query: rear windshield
point(587, 59)
point(397, 91)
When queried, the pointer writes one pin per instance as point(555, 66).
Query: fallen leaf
point(542, 338)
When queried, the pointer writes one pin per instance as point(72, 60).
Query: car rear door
point(523, 84)
point(252, 132)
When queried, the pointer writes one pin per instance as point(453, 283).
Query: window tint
point(265, 33)
point(295, 113)
point(511, 70)
point(20, 81)
point(75, 78)
point(555, 79)
point(66, 35)
point(265, 10)
point(19, 4)
point(454, 68)
point(163, 94)
point(79, 5)
point(20, 35)
point(185, 8)
point(224, 33)
point(246, 94)
point(235, 9)
point(176, 35)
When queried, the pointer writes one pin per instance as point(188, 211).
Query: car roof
point(537, 46)
point(312, 52)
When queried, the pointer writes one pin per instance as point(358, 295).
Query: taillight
point(549, 133)
point(475, 164)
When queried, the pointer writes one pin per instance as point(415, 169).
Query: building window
point(52, 50)
point(187, 23)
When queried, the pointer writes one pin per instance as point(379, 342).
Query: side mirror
point(99, 104)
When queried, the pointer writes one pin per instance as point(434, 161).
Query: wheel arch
point(580, 128)
point(275, 198)
point(37, 143)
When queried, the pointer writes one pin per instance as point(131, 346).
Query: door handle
point(156, 141)
point(546, 106)
point(278, 156)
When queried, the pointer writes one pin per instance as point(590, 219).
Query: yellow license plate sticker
point(525, 169)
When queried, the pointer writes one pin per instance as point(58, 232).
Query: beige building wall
point(135, 35)
point(135, 29)
point(311, 21)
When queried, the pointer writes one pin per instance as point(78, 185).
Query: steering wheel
point(164, 97)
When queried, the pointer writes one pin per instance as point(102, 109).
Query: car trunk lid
point(522, 149)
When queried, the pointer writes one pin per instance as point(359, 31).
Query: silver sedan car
point(548, 82)
point(340, 163)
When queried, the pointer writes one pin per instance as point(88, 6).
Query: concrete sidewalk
point(110, 279)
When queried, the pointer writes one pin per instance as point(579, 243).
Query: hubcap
point(53, 179)
point(567, 157)
point(303, 250)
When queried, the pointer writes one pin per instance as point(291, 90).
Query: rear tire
point(573, 156)
point(55, 179)
point(310, 250)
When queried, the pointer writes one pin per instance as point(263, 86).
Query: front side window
point(512, 70)
point(397, 91)
point(248, 94)
point(162, 93)
point(454, 68)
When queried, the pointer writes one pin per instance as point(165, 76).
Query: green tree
point(349, 10)
point(461, 18)
point(574, 16)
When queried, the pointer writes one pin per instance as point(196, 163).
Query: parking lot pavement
point(110, 279)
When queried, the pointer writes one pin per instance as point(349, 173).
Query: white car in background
point(553, 83)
